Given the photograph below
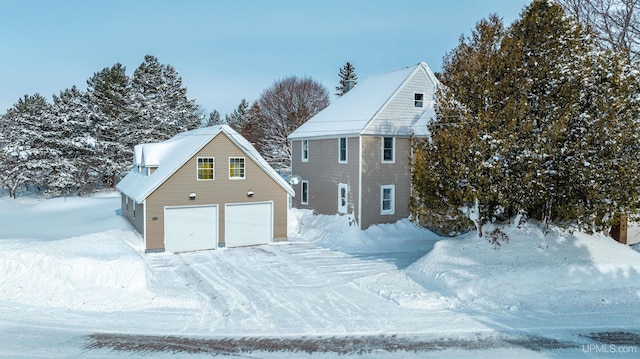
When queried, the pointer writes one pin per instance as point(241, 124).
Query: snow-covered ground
point(75, 284)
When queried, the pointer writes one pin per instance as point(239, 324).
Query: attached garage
point(248, 224)
point(191, 228)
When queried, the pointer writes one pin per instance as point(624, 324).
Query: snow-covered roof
point(358, 111)
point(170, 155)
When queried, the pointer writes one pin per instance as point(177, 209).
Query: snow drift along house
point(204, 189)
point(353, 156)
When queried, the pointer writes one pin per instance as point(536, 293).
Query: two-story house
point(354, 156)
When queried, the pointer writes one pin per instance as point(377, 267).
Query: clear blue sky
point(227, 50)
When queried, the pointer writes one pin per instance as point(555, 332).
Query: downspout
point(359, 217)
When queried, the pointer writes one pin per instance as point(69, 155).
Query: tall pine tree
point(348, 79)
point(24, 153)
point(74, 136)
point(160, 102)
point(111, 113)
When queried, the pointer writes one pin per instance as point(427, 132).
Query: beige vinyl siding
point(128, 212)
point(400, 112)
point(175, 191)
point(324, 173)
point(375, 174)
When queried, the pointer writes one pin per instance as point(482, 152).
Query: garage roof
point(170, 155)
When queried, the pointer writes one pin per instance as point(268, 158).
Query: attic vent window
point(418, 99)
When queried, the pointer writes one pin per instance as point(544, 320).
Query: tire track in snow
point(286, 288)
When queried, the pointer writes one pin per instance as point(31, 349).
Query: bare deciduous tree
point(285, 106)
point(617, 22)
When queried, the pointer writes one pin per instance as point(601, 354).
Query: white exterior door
point(248, 224)
point(343, 197)
point(190, 228)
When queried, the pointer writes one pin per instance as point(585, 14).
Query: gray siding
point(375, 173)
point(400, 112)
point(324, 173)
point(135, 217)
point(175, 191)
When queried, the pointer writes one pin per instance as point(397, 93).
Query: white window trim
point(346, 149)
point(346, 198)
point(214, 170)
point(303, 184)
point(302, 145)
point(393, 150)
point(415, 101)
point(393, 199)
point(229, 169)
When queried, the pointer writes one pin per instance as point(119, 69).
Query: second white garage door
point(190, 228)
point(248, 224)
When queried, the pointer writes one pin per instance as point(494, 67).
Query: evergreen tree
point(348, 78)
point(111, 113)
point(535, 120)
point(457, 174)
point(214, 119)
point(24, 153)
point(252, 127)
point(74, 138)
point(238, 117)
point(160, 102)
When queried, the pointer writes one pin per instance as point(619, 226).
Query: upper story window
point(418, 100)
point(305, 150)
point(388, 149)
point(342, 150)
point(205, 168)
point(236, 168)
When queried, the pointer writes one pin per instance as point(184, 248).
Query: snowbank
point(76, 253)
point(556, 272)
point(340, 232)
point(96, 272)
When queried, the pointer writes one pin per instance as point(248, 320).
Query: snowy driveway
point(297, 288)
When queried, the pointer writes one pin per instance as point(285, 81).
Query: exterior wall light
point(192, 196)
point(250, 194)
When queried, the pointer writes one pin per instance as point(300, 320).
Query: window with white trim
point(236, 168)
point(388, 149)
point(342, 150)
point(418, 100)
point(305, 192)
point(205, 169)
point(387, 199)
point(305, 150)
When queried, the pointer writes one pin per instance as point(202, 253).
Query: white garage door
point(248, 224)
point(190, 228)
